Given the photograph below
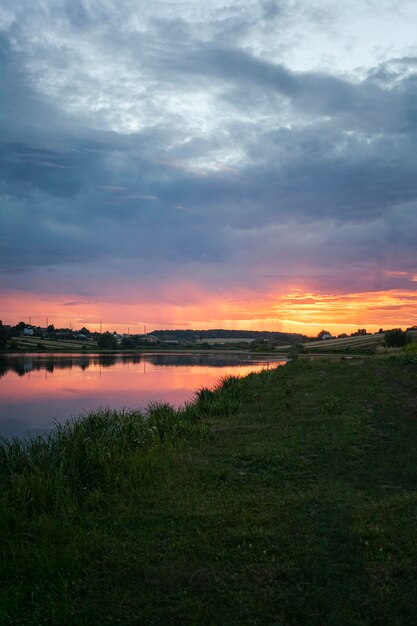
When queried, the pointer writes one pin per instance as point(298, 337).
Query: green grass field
point(32, 344)
point(358, 342)
point(287, 497)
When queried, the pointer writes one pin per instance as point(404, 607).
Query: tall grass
point(224, 399)
point(102, 449)
point(50, 484)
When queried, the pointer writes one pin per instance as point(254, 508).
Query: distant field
point(32, 343)
point(357, 343)
point(368, 341)
point(217, 340)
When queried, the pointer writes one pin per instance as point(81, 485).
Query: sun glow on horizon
point(300, 311)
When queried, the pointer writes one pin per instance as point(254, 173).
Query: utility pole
point(46, 324)
point(101, 327)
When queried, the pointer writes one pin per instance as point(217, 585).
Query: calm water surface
point(36, 389)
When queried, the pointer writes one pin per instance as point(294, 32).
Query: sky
point(225, 164)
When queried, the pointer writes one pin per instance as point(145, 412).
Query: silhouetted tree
point(107, 341)
point(128, 343)
point(396, 338)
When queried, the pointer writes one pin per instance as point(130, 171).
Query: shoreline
point(153, 351)
point(254, 354)
point(272, 498)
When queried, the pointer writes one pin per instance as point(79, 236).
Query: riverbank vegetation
point(286, 497)
point(202, 341)
point(25, 337)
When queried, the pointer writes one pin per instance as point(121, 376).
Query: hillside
point(359, 343)
point(201, 335)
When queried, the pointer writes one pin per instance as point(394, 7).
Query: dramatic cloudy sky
point(247, 164)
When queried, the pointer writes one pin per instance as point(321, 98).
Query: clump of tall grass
point(48, 481)
point(88, 452)
point(403, 358)
point(223, 399)
point(99, 450)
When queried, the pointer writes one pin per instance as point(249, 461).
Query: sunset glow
point(297, 311)
point(188, 165)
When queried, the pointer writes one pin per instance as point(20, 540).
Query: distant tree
point(128, 343)
point(322, 333)
point(18, 329)
point(396, 338)
point(292, 353)
point(3, 336)
point(50, 329)
point(107, 341)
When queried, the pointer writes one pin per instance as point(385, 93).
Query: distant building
point(148, 338)
point(326, 336)
point(40, 332)
point(28, 331)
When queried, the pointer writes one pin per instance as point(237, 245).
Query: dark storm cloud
point(335, 185)
point(366, 106)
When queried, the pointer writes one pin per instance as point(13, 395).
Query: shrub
point(396, 338)
point(292, 353)
point(107, 341)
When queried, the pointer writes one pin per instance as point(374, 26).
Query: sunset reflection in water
point(36, 389)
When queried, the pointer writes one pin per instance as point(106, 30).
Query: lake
point(36, 389)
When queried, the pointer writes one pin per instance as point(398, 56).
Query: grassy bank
point(287, 497)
